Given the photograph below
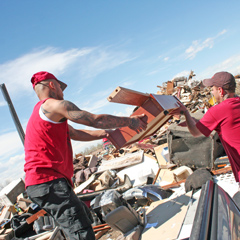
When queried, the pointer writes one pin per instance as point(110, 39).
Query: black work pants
point(59, 200)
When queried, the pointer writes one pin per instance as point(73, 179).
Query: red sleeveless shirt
point(48, 150)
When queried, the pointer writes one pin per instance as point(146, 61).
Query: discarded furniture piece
point(8, 195)
point(155, 107)
point(217, 216)
point(122, 219)
point(186, 150)
point(116, 211)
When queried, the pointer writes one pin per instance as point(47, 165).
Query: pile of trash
point(144, 190)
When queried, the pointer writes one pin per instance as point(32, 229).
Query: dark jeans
point(59, 200)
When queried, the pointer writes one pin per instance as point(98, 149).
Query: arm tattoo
point(134, 123)
point(76, 114)
point(44, 111)
point(102, 121)
point(109, 122)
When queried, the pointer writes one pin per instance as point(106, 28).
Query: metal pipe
point(13, 112)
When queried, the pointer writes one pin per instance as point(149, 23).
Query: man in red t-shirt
point(224, 117)
point(48, 152)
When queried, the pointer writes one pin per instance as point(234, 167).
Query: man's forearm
point(191, 124)
point(102, 121)
point(105, 121)
point(87, 135)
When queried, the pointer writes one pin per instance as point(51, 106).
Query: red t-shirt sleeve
point(208, 123)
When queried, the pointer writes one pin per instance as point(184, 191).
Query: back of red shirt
point(48, 150)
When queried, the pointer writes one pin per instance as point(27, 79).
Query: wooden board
point(120, 162)
point(127, 96)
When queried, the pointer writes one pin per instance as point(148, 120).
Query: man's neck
point(229, 95)
point(46, 95)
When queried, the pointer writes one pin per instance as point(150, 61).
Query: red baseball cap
point(41, 76)
point(220, 79)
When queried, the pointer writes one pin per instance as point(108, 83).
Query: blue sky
point(95, 46)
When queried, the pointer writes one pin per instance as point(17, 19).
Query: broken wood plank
point(128, 96)
point(155, 179)
point(92, 160)
point(120, 162)
point(35, 216)
point(5, 213)
point(222, 170)
point(85, 184)
point(172, 185)
point(102, 228)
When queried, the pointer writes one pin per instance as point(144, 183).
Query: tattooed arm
point(102, 121)
point(86, 135)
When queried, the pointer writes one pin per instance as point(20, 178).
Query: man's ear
point(221, 91)
point(51, 85)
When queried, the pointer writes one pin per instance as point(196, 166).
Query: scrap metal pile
point(141, 187)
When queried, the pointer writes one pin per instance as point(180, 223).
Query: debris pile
point(136, 190)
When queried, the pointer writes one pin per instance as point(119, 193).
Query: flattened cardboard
point(165, 218)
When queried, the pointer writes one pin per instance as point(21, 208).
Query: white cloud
point(184, 73)
point(10, 144)
point(199, 45)
point(79, 146)
point(17, 73)
point(12, 169)
point(128, 83)
point(102, 60)
point(97, 106)
point(166, 59)
point(87, 63)
point(232, 65)
point(3, 104)
point(128, 111)
point(95, 102)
